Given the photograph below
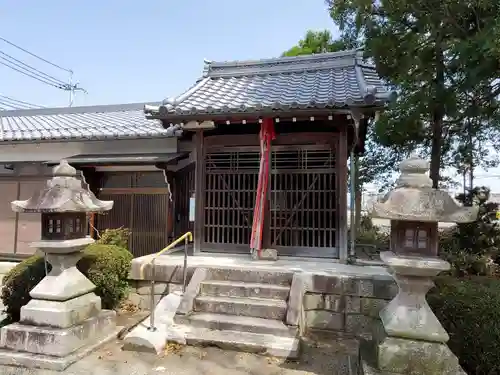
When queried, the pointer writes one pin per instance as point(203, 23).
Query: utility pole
point(28, 70)
point(72, 88)
point(71, 92)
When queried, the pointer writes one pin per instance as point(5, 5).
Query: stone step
point(237, 323)
point(251, 276)
point(254, 307)
point(276, 346)
point(227, 288)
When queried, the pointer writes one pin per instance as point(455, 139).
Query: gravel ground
point(317, 359)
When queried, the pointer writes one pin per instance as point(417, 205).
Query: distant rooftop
point(321, 81)
point(81, 123)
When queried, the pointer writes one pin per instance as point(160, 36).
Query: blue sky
point(138, 51)
point(133, 51)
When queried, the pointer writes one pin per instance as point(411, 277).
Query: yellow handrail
point(188, 235)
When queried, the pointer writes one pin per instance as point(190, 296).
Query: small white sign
point(192, 203)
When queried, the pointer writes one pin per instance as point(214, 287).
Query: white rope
point(87, 186)
point(92, 226)
point(168, 185)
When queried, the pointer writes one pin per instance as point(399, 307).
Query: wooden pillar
point(341, 188)
point(92, 224)
point(199, 191)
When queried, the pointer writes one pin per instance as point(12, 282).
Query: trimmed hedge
point(469, 310)
point(107, 266)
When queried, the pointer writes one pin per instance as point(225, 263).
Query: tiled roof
point(330, 80)
point(81, 123)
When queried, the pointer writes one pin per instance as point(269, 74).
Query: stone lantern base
point(409, 339)
point(64, 321)
point(396, 356)
point(55, 348)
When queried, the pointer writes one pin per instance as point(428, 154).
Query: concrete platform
point(169, 267)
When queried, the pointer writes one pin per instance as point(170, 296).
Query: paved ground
point(326, 359)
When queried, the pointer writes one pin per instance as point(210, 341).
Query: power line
point(36, 56)
point(20, 103)
point(25, 66)
point(32, 76)
point(10, 106)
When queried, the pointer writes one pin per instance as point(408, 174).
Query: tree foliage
point(474, 248)
point(443, 59)
point(319, 42)
point(379, 161)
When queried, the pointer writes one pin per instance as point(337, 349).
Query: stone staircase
point(244, 310)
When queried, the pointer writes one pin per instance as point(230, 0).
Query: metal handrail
point(186, 237)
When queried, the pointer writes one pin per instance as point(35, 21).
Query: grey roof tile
point(330, 80)
point(81, 123)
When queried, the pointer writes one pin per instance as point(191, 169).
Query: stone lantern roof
point(414, 199)
point(64, 193)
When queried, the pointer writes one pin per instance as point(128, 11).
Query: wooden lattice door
point(303, 201)
point(230, 184)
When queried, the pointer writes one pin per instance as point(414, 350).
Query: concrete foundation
point(57, 342)
point(55, 348)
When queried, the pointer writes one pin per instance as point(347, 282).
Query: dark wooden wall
point(183, 190)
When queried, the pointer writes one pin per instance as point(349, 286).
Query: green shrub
point(107, 266)
point(371, 234)
point(469, 310)
point(370, 240)
point(473, 248)
point(118, 237)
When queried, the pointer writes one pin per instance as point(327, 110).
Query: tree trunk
point(437, 115)
point(437, 125)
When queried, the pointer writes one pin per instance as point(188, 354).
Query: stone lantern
point(64, 320)
point(411, 340)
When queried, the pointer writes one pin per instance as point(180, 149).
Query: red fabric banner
point(266, 135)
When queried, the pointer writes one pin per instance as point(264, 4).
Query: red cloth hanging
point(266, 135)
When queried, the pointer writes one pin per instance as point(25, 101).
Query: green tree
point(474, 248)
point(378, 161)
point(443, 59)
point(319, 42)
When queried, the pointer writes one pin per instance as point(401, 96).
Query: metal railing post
point(152, 302)
point(187, 237)
point(184, 271)
point(45, 263)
